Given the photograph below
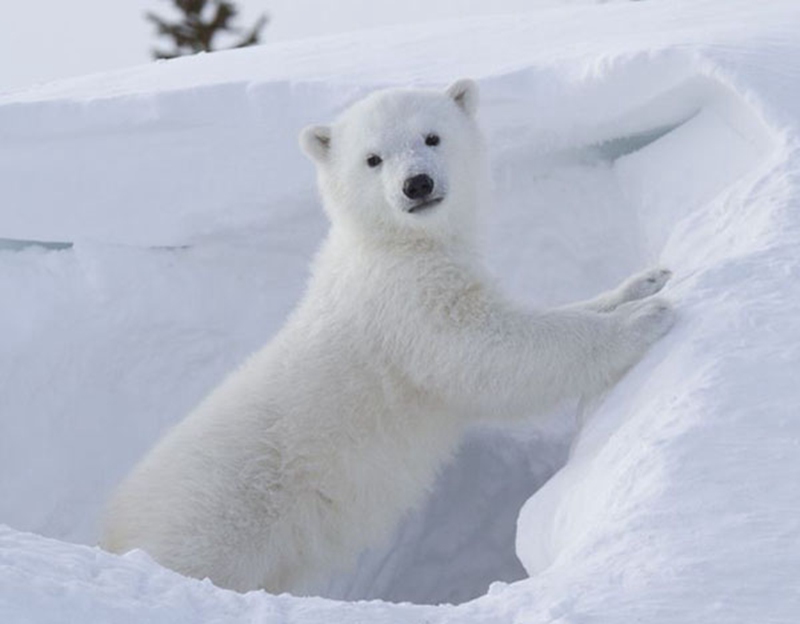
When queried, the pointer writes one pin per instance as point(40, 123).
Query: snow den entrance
point(135, 309)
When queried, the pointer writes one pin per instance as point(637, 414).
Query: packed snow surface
point(156, 225)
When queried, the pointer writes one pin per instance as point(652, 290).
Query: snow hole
point(127, 338)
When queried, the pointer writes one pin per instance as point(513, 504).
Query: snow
point(156, 227)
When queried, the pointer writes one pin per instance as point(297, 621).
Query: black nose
point(418, 186)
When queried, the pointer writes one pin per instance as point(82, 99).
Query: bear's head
point(403, 162)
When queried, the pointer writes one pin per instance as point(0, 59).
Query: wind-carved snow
point(703, 161)
point(191, 218)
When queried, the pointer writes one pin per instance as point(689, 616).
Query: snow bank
point(157, 223)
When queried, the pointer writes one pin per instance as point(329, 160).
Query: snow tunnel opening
point(594, 213)
point(573, 217)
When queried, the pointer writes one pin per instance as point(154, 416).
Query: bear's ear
point(465, 93)
point(315, 141)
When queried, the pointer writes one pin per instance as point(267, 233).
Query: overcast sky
point(43, 40)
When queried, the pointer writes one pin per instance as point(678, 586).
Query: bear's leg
point(513, 362)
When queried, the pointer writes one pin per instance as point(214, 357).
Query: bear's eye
point(432, 140)
point(373, 160)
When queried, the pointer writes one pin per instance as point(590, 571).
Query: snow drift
point(156, 224)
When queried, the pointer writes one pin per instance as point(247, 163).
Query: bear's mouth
point(424, 205)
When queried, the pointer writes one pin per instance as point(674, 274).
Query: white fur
point(315, 447)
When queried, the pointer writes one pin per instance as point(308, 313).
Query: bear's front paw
point(643, 285)
point(648, 320)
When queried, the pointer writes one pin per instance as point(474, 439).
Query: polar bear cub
point(315, 447)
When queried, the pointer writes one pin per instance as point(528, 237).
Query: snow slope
point(155, 227)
